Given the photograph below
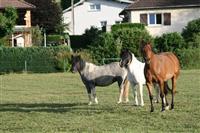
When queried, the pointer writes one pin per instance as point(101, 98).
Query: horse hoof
point(167, 108)
point(90, 103)
point(126, 101)
point(163, 110)
point(141, 105)
point(119, 102)
point(96, 101)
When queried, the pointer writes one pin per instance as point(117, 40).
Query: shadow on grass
point(52, 107)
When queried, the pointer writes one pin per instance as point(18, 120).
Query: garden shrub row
point(33, 59)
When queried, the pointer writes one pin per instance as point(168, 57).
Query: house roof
point(160, 4)
point(82, 1)
point(15, 3)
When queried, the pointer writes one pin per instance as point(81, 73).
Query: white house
point(162, 16)
point(97, 13)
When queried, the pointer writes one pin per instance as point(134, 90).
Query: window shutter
point(167, 18)
point(143, 18)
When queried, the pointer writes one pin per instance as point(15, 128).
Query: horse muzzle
point(74, 70)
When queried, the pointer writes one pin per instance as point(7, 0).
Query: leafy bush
point(63, 60)
point(54, 40)
point(131, 38)
point(34, 59)
point(195, 43)
point(169, 42)
point(77, 41)
point(90, 35)
point(37, 36)
point(104, 47)
point(116, 27)
point(192, 28)
point(7, 21)
point(189, 58)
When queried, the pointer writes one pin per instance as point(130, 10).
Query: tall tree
point(48, 15)
point(7, 21)
point(67, 3)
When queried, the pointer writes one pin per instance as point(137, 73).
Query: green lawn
point(54, 103)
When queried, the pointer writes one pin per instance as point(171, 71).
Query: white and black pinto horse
point(93, 75)
point(135, 76)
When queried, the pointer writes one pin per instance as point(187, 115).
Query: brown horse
point(160, 68)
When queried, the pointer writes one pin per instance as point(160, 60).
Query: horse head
point(76, 63)
point(126, 58)
point(147, 52)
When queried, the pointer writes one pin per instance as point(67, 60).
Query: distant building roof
point(160, 4)
point(15, 3)
point(82, 1)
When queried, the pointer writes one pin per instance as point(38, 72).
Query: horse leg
point(161, 84)
point(89, 95)
point(165, 97)
point(157, 92)
point(94, 95)
point(173, 91)
point(141, 94)
point(149, 87)
point(121, 89)
point(134, 93)
point(126, 91)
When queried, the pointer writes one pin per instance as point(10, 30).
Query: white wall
point(179, 19)
point(84, 18)
point(20, 41)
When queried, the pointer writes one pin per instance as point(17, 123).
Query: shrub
point(55, 40)
point(34, 59)
point(116, 27)
point(131, 38)
point(37, 37)
point(169, 42)
point(63, 60)
point(192, 28)
point(90, 35)
point(7, 21)
point(189, 58)
point(77, 41)
point(104, 47)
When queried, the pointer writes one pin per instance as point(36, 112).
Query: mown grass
point(54, 103)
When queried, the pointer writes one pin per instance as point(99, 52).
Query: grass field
point(54, 103)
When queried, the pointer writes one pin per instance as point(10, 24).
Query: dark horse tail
point(166, 88)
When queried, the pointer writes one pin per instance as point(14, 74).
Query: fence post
point(103, 60)
point(64, 65)
point(25, 66)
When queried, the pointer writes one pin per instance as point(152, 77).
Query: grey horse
point(93, 75)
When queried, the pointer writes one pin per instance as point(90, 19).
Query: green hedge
point(77, 41)
point(116, 27)
point(34, 59)
point(189, 58)
point(169, 42)
point(131, 38)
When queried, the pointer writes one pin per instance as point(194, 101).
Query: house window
point(155, 18)
point(95, 7)
point(103, 23)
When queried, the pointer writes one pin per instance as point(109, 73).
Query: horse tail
point(126, 88)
